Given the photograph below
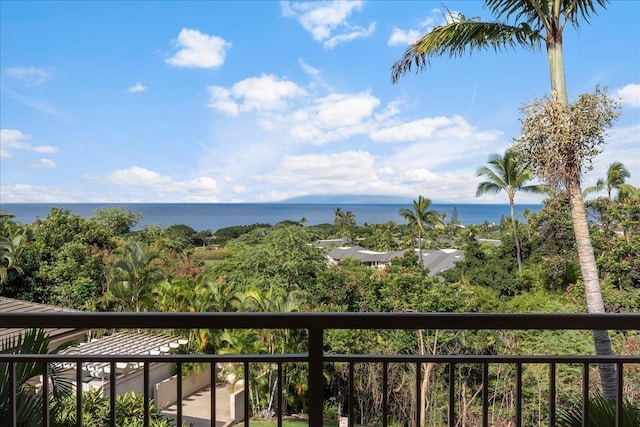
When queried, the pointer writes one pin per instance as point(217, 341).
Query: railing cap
point(320, 321)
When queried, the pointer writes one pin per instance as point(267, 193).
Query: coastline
point(213, 216)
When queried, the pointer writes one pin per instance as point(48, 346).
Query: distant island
point(349, 199)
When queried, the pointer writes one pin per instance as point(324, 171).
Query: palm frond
point(537, 12)
point(488, 188)
point(582, 9)
point(464, 35)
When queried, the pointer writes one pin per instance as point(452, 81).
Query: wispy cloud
point(137, 88)
point(27, 193)
point(44, 164)
point(30, 76)
point(328, 21)
point(11, 140)
point(199, 50)
point(44, 107)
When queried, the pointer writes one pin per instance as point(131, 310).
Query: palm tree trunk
point(515, 232)
point(586, 258)
point(593, 293)
point(556, 65)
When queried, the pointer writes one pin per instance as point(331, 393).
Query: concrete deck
point(196, 409)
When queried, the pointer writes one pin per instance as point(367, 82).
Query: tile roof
point(10, 305)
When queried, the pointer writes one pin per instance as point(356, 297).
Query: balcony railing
point(316, 358)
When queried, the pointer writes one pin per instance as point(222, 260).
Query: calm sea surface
point(212, 216)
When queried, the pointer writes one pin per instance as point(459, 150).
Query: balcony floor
point(196, 409)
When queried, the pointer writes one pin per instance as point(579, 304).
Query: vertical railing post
point(316, 356)
point(13, 411)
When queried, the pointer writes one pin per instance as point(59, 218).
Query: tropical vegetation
point(280, 268)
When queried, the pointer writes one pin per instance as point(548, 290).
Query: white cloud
point(44, 164)
point(25, 193)
point(439, 127)
point(264, 93)
point(148, 185)
point(334, 117)
point(629, 95)
point(137, 176)
point(337, 173)
point(137, 88)
point(31, 76)
point(199, 50)
point(11, 139)
point(323, 19)
point(403, 37)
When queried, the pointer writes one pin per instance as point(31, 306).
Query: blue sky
point(159, 101)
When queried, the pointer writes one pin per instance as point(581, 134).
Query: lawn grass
point(287, 422)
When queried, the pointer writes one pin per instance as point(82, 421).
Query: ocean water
point(212, 216)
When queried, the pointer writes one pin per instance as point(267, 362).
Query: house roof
point(10, 305)
point(123, 343)
point(436, 261)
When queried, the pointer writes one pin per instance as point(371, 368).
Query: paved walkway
point(196, 409)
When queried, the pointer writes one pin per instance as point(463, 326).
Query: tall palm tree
point(616, 177)
point(420, 218)
point(506, 173)
point(528, 24)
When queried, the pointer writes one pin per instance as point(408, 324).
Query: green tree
point(616, 176)
point(527, 24)
point(280, 256)
point(420, 218)
point(509, 174)
point(61, 256)
point(133, 277)
point(119, 221)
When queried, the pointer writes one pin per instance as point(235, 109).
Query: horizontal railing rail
point(466, 321)
point(316, 358)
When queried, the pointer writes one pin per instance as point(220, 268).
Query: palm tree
point(533, 22)
point(134, 276)
point(506, 173)
point(28, 399)
point(616, 176)
point(420, 218)
point(9, 251)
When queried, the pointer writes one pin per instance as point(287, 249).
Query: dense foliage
point(103, 263)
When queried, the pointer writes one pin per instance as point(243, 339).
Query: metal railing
point(315, 358)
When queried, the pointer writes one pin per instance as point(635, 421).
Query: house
point(56, 336)
point(436, 261)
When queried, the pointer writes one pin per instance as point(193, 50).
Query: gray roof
point(10, 305)
point(438, 261)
